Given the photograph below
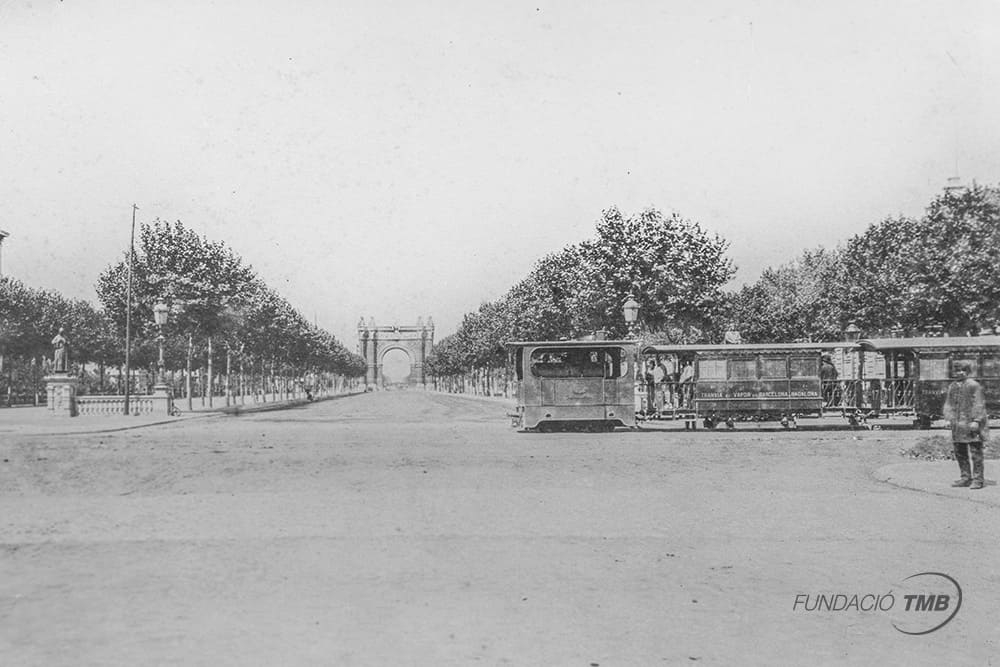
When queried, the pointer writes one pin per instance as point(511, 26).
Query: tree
point(953, 261)
point(796, 301)
point(875, 274)
point(674, 268)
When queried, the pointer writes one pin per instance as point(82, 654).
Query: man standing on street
point(965, 409)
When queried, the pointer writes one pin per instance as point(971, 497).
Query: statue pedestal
point(163, 401)
point(60, 394)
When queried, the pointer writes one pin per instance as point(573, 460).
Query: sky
point(398, 160)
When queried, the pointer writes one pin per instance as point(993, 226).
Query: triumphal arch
point(375, 341)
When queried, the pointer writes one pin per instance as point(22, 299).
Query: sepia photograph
point(588, 334)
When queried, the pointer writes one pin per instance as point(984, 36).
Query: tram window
point(991, 367)
point(519, 363)
point(711, 369)
point(568, 363)
point(804, 367)
point(774, 367)
point(616, 363)
point(743, 369)
point(934, 369)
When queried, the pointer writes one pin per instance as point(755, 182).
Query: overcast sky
point(405, 159)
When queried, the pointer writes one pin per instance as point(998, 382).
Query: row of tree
point(219, 310)
point(900, 274)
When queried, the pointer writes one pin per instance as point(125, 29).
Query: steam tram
point(599, 385)
point(574, 385)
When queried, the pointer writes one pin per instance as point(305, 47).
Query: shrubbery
point(938, 448)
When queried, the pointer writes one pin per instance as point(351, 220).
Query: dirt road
point(405, 528)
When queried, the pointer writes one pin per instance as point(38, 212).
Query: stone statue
point(60, 352)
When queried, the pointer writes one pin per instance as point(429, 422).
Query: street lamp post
point(160, 313)
point(631, 310)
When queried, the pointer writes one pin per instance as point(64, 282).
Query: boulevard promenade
point(926, 476)
point(38, 421)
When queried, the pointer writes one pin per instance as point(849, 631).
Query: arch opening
point(396, 367)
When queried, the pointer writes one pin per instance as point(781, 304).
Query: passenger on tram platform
point(649, 380)
point(828, 376)
point(686, 384)
point(661, 377)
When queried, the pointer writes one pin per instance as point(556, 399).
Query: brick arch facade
point(375, 341)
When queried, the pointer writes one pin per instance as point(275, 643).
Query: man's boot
point(962, 456)
point(976, 454)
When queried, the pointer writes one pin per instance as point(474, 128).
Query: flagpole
point(128, 315)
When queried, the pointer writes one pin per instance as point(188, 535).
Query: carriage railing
point(874, 396)
point(881, 396)
point(668, 398)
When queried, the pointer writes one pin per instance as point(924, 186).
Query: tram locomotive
point(574, 385)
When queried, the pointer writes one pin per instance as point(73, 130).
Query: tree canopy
point(671, 265)
point(213, 294)
point(901, 273)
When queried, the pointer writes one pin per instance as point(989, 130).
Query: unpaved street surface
point(408, 528)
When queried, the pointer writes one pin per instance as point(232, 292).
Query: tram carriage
point(919, 370)
point(737, 382)
point(574, 385)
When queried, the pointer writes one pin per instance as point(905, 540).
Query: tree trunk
point(211, 377)
point(187, 374)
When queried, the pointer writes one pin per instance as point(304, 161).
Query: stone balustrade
point(155, 404)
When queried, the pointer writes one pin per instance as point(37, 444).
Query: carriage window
point(774, 367)
point(991, 367)
point(972, 362)
point(568, 363)
point(804, 367)
point(711, 369)
point(934, 369)
point(743, 369)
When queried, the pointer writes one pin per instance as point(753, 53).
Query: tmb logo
point(918, 605)
point(928, 602)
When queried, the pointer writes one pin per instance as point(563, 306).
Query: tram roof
point(569, 343)
point(743, 347)
point(935, 343)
